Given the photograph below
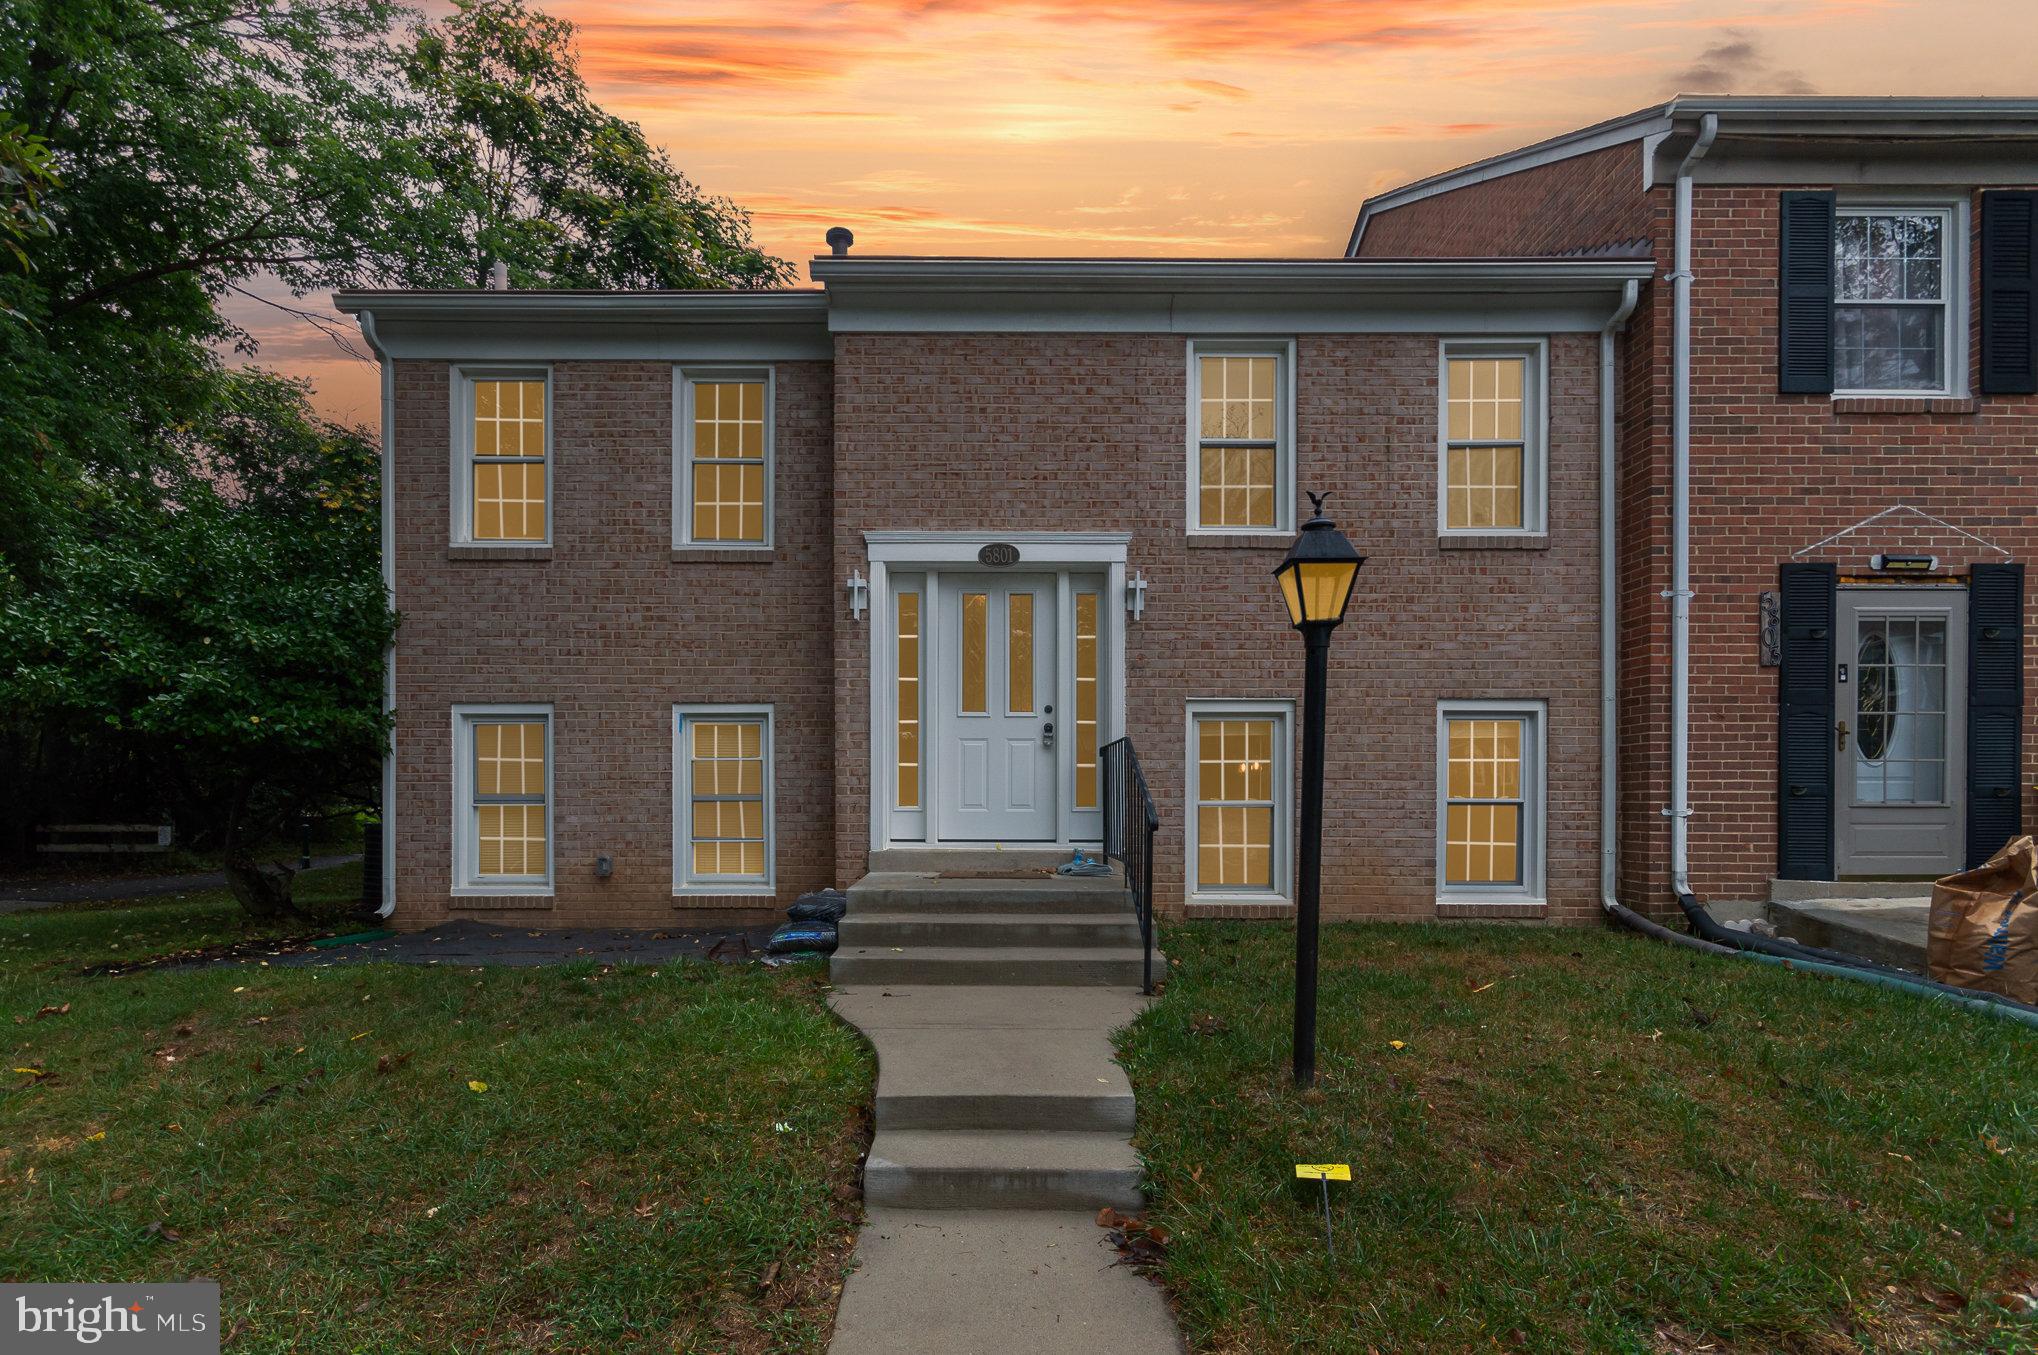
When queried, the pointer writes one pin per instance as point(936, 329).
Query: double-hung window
point(1490, 801)
point(503, 439)
point(722, 492)
point(723, 838)
point(1894, 293)
point(1241, 421)
point(502, 773)
point(1240, 796)
point(1493, 435)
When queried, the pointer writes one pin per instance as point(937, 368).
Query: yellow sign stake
point(1324, 1173)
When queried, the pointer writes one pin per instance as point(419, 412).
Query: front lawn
point(660, 1158)
point(1585, 1141)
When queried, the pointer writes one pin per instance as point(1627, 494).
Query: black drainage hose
point(1704, 924)
point(1770, 950)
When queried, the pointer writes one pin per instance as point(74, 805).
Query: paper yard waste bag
point(1985, 925)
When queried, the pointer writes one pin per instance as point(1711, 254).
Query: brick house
point(1826, 429)
point(710, 599)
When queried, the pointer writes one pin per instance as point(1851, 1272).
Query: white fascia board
point(652, 326)
point(1494, 310)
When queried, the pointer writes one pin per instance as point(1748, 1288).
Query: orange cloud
point(1218, 87)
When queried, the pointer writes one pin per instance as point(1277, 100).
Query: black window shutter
point(1804, 735)
point(2009, 287)
point(1804, 285)
point(1995, 707)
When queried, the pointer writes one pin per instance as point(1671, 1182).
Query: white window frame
point(467, 879)
point(1283, 353)
point(1954, 304)
point(1534, 792)
point(463, 377)
point(684, 378)
point(1535, 431)
point(1282, 713)
point(684, 882)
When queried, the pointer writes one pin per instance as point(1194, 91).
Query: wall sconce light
point(859, 594)
point(1135, 595)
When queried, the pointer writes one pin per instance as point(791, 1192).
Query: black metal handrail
point(1129, 825)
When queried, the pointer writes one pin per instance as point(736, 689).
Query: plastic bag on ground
point(1984, 925)
point(822, 905)
point(795, 937)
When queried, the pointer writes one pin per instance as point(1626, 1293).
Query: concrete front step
point(1027, 966)
point(990, 929)
point(1800, 891)
point(899, 892)
point(980, 1169)
point(952, 1056)
point(1891, 931)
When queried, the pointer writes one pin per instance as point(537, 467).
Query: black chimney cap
point(839, 240)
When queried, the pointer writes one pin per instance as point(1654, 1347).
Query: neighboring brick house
point(709, 599)
point(1858, 455)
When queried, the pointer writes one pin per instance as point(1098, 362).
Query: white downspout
point(1609, 613)
point(1680, 518)
point(389, 590)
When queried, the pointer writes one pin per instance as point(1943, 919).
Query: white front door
point(996, 680)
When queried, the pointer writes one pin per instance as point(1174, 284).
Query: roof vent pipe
point(498, 276)
point(839, 241)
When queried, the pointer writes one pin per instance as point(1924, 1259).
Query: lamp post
point(1316, 582)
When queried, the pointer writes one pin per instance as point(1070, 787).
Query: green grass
point(653, 1144)
point(1616, 1146)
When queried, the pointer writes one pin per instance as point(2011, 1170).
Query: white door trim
point(946, 554)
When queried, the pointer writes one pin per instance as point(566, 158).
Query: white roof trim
point(1258, 276)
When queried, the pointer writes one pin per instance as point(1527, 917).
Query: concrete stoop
point(1003, 1119)
point(991, 1003)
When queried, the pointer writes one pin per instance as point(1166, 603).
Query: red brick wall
point(1578, 203)
point(1584, 201)
point(612, 630)
point(1000, 433)
point(1775, 473)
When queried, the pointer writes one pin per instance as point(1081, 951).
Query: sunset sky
point(1176, 126)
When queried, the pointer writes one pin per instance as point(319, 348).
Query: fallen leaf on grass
point(389, 1063)
point(1946, 1300)
point(477, 1086)
point(2002, 1216)
point(35, 1072)
point(362, 1036)
point(1484, 986)
point(96, 1138)
point(1905, 1156)
point(770, 1276)
point(162, 1232)
point(64, 1010)
point(1397, 1044)
point(1210, 1024)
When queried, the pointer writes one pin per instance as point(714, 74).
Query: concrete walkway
point(17, 898)
point(1003, 1119)
point(984, 1281)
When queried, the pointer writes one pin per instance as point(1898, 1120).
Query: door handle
point(1840, 736)
point(1047, 735)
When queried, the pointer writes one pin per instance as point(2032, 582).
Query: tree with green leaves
point(538, 175)
point(229, 632)
point(159, 156)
